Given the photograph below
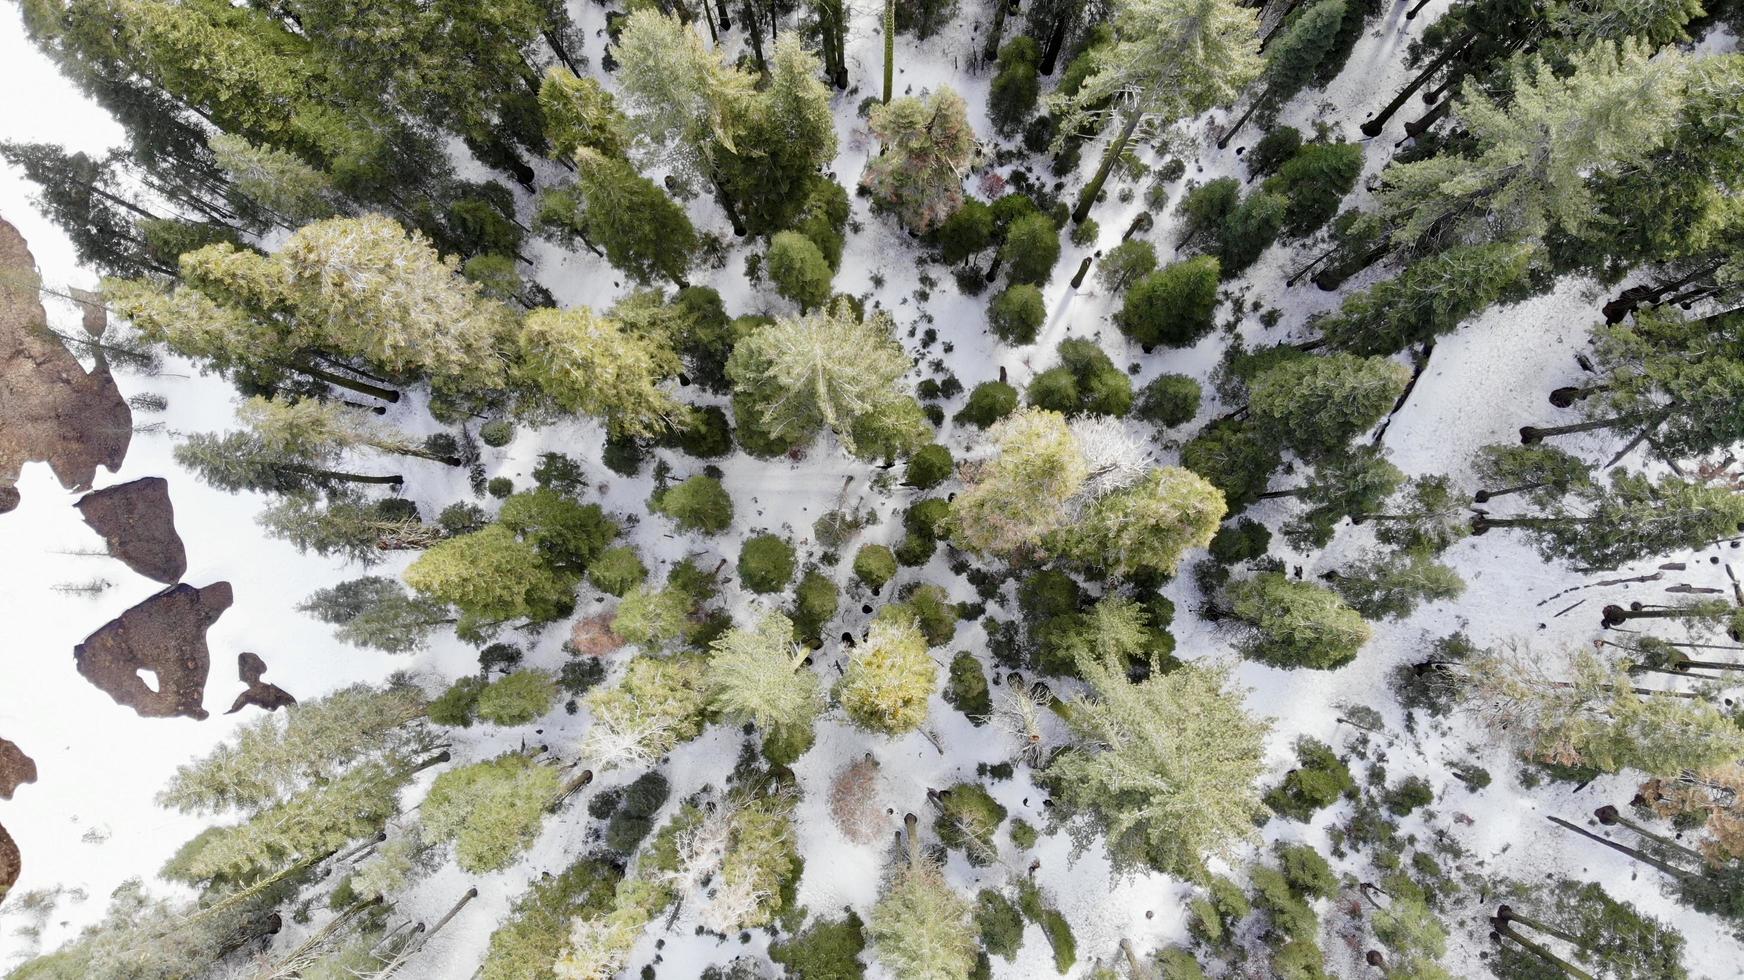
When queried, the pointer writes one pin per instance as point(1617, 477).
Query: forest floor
point(89, 822)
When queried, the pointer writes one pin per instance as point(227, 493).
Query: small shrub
point(700, 503)
point(617, 570)
point(456, 706)
point(988, 402)
point(967, 688)
point(1017, 313)
point(1169, 400)
point(497, 433)
point(929, 467)
point(874, 565)
point(517, 698)
point(766, 563)
point(500, 487)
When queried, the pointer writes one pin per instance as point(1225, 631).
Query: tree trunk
point(1418, 126)
point(343, 477)
point(1634, 296)
point(1485, 496)
point(1223, 141)
point(1278, 25)
point(417, 453)
point(1503, 928)
point(1083, 270)
point(320, 936)
point(889, 48)
point(1531, 435)
point(351, 384)
point(1416, 9)
point(1374, 126)
point(721, 12)
point(1110, 157)
point(708, 14)
point(555, 42)
point(1608, 816)
point(754, 31)
point(910, 824)
point(1632, 852)
point(1056, 41)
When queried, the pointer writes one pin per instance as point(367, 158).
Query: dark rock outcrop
point(164, 635)
point(272, 697)
point(10, 863)
point(138, 524)
point(51, 409)
point(16, 769)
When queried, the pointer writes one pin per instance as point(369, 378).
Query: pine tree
point(1315, 405)
point(1430, 298)
point(87, 199)
point(348, 524)
point(1147, 526)
point(698, 504)
point(1031, 249)
point(1292, 624)
point(276, 180)
point(243, 461)
point(580, 114)
point(1631, 519)
point(659, 705)
point(376, 612)
point(517, 698)
point(1165, 768)
point(921, 929)
point(1391, 586)
point(492, 576)
point(322, 431)
point(787, 137)
point(1292, 58)
point(825, 369)
point(583, 362)
point(1543, 473)
point(799, 271)
point(1012, 500)
point(1016, 85)
point(643, 232)
point(761, 676)
point(889, 678)
point(1169, 59)
point(1355, 483)
point(491, 810)
point(928, 144)
point(1173, 306)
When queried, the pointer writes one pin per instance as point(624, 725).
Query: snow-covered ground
point(90, 822)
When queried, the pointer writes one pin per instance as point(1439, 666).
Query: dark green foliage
point(1016, 86)
point(1429, 299)
point(1215, 917)
point(929, 467)
point(932, 610)
point(1236, 456)
point(1205, 209)
point(1307, 872)
point(968, 819)
point(1250, 229)
point(1411, 793)
point(798, 269)
point(537, 928)
point(1023, 833)
point(1169, 400)
point(1314, 181)
point(704, 335)
point(1085, 382)
point(1127, 263)
point(924, 18)
point(1316, 405)
point(623, 455)
point(456, 706)
point(1000, 923)
point(1053, 925)
point(617, 570)
point(1032, 247)
point(926, 518)
point(1294, 624)
point(635, 817)
point(578, 675)
point(705, 434)
point(1173, 306)
point(1614, 938)
point(567, 534)
point(698, 504)
point(1318, 781)
point(1017, 313)
point(966, 690)
point(828, 949)
point(874, 565)
point(968, 231)
point(500, 487)
point(499, 657)
point(643, 232)
point(497, 432)
point(766, 563)
point(814, 604)
point(558, 472)
point(988, 402)
point(1273, 150)
point(1240, 541)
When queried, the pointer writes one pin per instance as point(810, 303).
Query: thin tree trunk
point(1223, 141)
point(1418, 126)
point(1110, 157)
point(320, 936)
point(1278, 25)
point(1609, 815)
point(352, 384)
point(1630, 298)
point(560, 50)
point(1503, 928)
point(1632, 852)
point(708, 15)
point(1056, 41)
point(1374, 126)
point(1531, 435)
point(1485, 496)
point(889, 48)
point(996, 31)
point(754, 31)
point(721, 12)
point(1416, 9)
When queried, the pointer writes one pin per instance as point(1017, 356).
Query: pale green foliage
point(760, 675)
point(273, 178)
point(1392, 585)
point(1170, 59)
point(1582, 710)
point(517, 698)
point(1316, 405)
point(492, 576)
point(921, 929)
point(584, 362)
point(392, 865)
point(319, 431)
point(579, 112)
point(1149, 525)
point(1536, 153)
point(1296, 624)
point(1012, 500)
point(1413, 934)
point(762, 853)
point(659, 704)
point(270, 759)
point(491, 810)
point(1165, 769)
point(827, 368)
point(927, 146)
point(1656, 22)
point(889, 678)
point(653, 617)
point(682, 99)
point(145, 938)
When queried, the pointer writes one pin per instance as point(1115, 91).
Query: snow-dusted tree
point(1316, 405)
point(243, 461)
point(1020, 713)
point(1014, 499)
point(1294, 624)
point(1390, 585)
point(584, 362)
point(1534, 157)
point(1169, 59)
point(1429, 516)
point(927, 146)
point(1633, 518)
point(1118, 455)
point(377, 613)
point(322, 431)
point(921, 929)
point(1292, 59)
point(1543, 473)
point(491, 810)
point(1580, 709)
point(760, 675)
point(762, 857)
point(787, 138)
point(1432, 297)
point(657, 706)
point(1165, 769)
point(889, 678)
point(1145, 527)
point(275, 180)
point(579, 113)
point(824, 369)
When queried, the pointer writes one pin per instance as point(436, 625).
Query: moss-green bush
point(1318, 781)
point(1000, 923)
point(967, 688)
point(456, 706)
point(1169, 400)
point(766, 563)
point(988, 402)
point(617, 570)
point(698, 504)
point(929, 467)
point(814, 604)
point(828, 949)
point(874, 565)
point(517, 698)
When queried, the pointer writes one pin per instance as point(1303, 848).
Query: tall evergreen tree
point(928, 145)
point(580, 361)
point(1633, 518)
point(1293, 58)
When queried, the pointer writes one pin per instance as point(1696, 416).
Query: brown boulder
point(138, 524)
point(16, 769)
point(272, 697)
point(165, 635)
point(10, 863)
point(51, 409)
